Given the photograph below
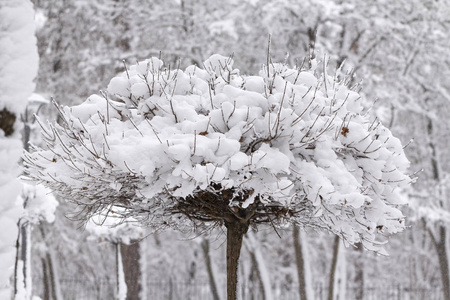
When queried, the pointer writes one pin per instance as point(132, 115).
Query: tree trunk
point(334, 263)
point(259, 266)
point(16, 263)
point(262, 290)
point(235, 234)
point(302, 266)
point(441, 244)
point(22, 290)
point(22, 266)
point(26, 258)
point(209, 269)
point(54, 280)
point(51, 278)
point(131, 256)
point(46, 280)
point(341, 282)
point(120, 277)
point(442, 252)
point(359, 273)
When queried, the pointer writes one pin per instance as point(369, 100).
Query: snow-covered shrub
point(172, 147)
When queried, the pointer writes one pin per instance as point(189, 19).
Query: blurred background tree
point(398, 49)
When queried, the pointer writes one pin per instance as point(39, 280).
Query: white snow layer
point(18, 68)
point(294, 138)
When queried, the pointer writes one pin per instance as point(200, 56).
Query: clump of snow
point(219, 66)
point(40, 19)
point(39, 202)
point(288, 139)
point(110, 226)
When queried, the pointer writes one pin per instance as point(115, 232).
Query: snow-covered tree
point(18, 67)
point(38, 206)
point(173, 148)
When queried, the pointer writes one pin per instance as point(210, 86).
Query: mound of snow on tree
point(288, 145)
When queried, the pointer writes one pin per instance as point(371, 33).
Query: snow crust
point(298, 139)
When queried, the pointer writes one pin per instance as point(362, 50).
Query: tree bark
point(131, 256)
point(51, 278)
point(46, 280)
point(23, 244)
point(441, 244)
point(209, 269)
point(25, 255)
point(301, 265)
point(334, 263)
point(442, 252)
point(258, 275)
point(16, 263)
point(259, 267)
point(359, 273)
point(235, 234)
